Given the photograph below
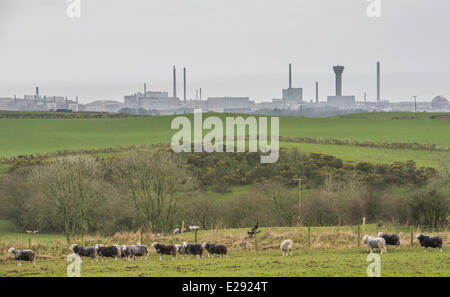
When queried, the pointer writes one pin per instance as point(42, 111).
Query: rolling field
point(30, 136)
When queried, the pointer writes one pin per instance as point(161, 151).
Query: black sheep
point(392, 239)
point(108, 251)
point(212, 249)
point(22, 255)
point(427, 241)
point(193, 249)
point(162, 249)
point(88, 251)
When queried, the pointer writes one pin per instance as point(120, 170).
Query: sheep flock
point(186, 249)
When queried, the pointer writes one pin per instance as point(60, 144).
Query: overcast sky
point(230, 47)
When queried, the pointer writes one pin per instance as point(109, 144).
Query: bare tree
point(153, 182)
point(71, 191)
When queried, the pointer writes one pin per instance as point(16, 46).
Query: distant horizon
point(229, 47)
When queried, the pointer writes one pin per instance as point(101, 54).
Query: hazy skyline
point(229, 47)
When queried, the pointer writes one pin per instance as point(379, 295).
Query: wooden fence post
point(29, 243)
point(309, 237)
point(195, 240)
point(359, 236)
point(256, 242)
point(412, 236)
point(182, 227)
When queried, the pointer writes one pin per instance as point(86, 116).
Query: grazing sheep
point(22, 255)
point(432, 242)
point(215, 249)
point(374, 243)
point(181, 250)
point(392, 239)
point(176, 231)
point(112, 251)
point(88, 251)
point(194, 228)
point(29, 232)
point(162, 249)
point(137, 250)
point(286, 247)
point(193, 249)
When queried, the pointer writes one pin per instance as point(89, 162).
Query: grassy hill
point(22, 136)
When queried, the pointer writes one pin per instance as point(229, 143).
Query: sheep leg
point(425, 250)
point(160, 257)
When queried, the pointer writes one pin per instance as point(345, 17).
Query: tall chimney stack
point(37, 94)
point(290, 76)
point(145, 89)
point(174, 82)
point(317, 92)
point(378, 82)
point(338, 71)
point(184, 84)
point(196, 94)
point(200, 94)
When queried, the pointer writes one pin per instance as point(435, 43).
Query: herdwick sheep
point(193, 249)
point(112, 251)
point(212, 249)
point(137, 250)
point(392, 239)
point(432, 242)
point(162, 249)
point(22, 255)
point(181, 250)
point(286, 247)
point(88, 251)
point(374, 243)
point(194, 228)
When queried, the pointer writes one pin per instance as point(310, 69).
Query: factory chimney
point(338, 71)
point(184, 84)
point(378, 82)
point(290, 76)
point(196, 94)
point(174, 82)
point(317, 92)
point(200, 94)
point(145, 89)
point(37, 94)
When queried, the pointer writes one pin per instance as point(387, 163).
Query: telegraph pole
point(299, 198)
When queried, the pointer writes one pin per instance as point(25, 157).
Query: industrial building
point(339, 100)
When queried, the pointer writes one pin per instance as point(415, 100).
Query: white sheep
point(374, 243)
point(286, 246)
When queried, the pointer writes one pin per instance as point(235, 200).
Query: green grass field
point(341, 263)
point(29, 136)
point(333, 252)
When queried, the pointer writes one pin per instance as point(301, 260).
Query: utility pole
point(299, 198)
point(415, 104)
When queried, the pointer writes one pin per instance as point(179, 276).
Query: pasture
point(332, 251)
point(46, 135)
point(315, 263)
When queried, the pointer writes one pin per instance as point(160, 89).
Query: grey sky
point(230, 47)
